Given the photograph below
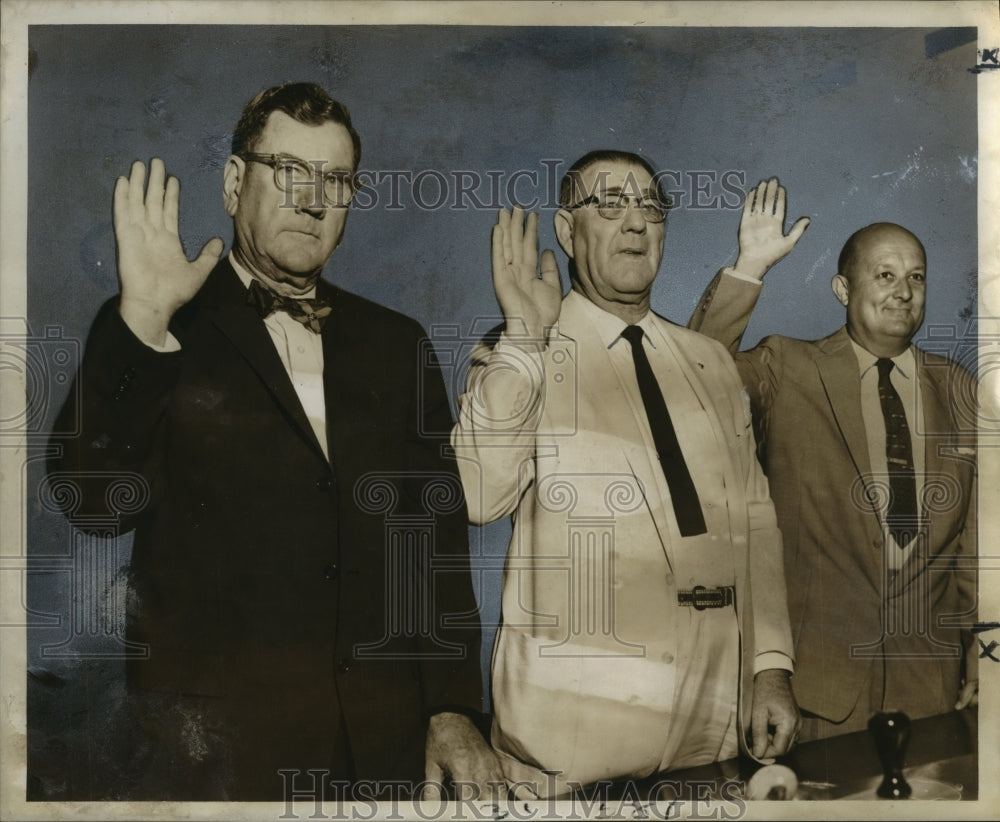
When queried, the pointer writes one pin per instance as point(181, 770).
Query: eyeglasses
point(652, 211)
point(339, 187)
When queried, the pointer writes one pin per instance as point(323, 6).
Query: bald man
point(869, 447)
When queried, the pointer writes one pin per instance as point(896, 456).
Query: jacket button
point(324, 483)
point(343, 666)
point(331, 571)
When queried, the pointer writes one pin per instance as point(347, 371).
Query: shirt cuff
point(533, 346)
point(730, 271)
point(768, 660)
point(168, 347)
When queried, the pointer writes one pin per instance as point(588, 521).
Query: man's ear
point(841, 287)
point(564, 231)
point(232, 183)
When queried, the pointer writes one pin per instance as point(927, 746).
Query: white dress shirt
point(301, 352)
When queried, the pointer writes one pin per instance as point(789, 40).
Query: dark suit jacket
point(258, 566)
point(845, 612)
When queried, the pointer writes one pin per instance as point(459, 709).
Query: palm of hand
point(152, 266)
point(523, 295)
point(761, 236)
point(765, 235)
point(530, 304)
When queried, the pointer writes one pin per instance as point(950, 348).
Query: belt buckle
point(694, 597)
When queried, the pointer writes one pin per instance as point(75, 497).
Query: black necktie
point(312, 313)
point(902, 517)
point(687, 509)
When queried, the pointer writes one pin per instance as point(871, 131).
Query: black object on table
point(891, 732)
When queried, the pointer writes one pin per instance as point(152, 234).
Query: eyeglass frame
point(661, 207)
point(274, 161)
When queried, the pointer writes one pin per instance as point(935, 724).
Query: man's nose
point(309, 200)
point(633, 219)
point(904, 290)
point(313, 211)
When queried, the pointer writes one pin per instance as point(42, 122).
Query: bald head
point(867, 236)
point(881, 281)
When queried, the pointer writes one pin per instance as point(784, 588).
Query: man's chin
point(299, 267)
point(300, 280)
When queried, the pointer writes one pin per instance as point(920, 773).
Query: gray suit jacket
point(847, 614)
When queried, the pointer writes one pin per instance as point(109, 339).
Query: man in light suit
point(644, 618)
point(282, 429)
point(875, 496)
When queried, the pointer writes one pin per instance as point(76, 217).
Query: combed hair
point(306, 103)
point(573, 174)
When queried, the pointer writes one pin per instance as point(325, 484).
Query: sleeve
point(725, 308)
point(769, 660)
point(498, 418)
point(964, 402)
point(723, 315)
point(772, 631)
point(450, 680)
point(109, 424)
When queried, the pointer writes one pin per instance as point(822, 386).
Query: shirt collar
point(246, 278)
point(906, 363)
point(609, 327)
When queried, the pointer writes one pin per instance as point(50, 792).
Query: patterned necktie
point(311, 313)
point(902, 516)
point(687, 508)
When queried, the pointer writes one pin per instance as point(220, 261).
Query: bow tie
point(311, 313)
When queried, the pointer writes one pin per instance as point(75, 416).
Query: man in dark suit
point(297, 568)
point(869, 446)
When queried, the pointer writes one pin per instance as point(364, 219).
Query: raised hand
point(530, 304)
point(762, 238)
point(156, 276)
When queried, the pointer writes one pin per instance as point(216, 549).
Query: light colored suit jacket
point(847, 612)
point(546, 438)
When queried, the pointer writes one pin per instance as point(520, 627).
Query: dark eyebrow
point(284, 155)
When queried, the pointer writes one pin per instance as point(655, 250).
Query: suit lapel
point(936, 419)
point(936, 423)
point(841, 379)
point(224, 298)
point(696, 379)
point(838, 371)
point(341, 369)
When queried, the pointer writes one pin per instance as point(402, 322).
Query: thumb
point(798, 229)
point(549, 268)
point(209, 255)
point(758, 731)
point(433, 779)
point(968, 696)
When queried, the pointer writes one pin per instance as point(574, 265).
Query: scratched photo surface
point(861, 124)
